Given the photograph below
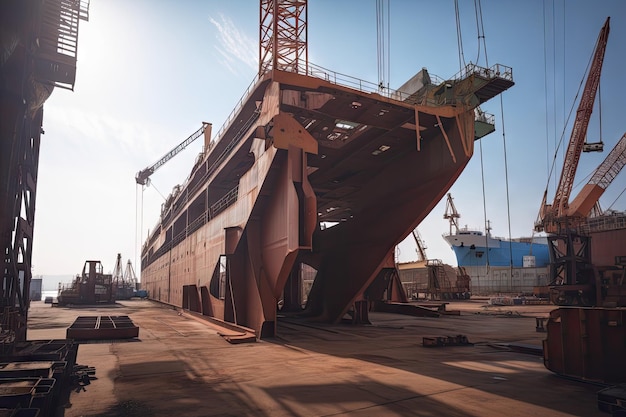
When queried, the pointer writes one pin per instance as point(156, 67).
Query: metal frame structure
point(43, 56)
point(600, 180)
point(572, 276)
point(452, 214)
point(283, 36)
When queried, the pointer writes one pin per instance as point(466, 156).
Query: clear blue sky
point(150, 72)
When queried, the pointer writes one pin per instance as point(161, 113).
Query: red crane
point(601, 178)
point(552, 215)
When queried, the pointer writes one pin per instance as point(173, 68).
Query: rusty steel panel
point(587, 343)
point(102, 327)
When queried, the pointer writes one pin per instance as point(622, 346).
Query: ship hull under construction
point(302, 153)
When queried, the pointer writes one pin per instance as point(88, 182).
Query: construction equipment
point(143, 176)
point(124, 283)
point(588, 197)
point(421, 246)
point(92, 286)
point(451, 214)
point(439, 285)
point(586, 343)
point(129, 274)
point(554, 217)
point(574, 278)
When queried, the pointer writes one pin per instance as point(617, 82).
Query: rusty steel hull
point(302, 153)
point(608, 234)
point(587, 343)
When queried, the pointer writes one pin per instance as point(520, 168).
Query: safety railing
point(495, 71)
point(219, 206)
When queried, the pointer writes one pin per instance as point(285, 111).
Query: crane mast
point(452, 214)
point(283, 36)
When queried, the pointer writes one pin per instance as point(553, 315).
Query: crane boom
point(579, 130)
point(451, 214)
point(421, 247)
point(143, 175)
point(600, 180)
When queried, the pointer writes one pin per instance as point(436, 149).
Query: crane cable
point(138, 220)
point(481, 35)
point(569, 116)
point(459, 37)
point(482, 180)
point(382, 46)
point(545, 84)
point(139, 214)
point(481, 31)
point(506, 181)
point(482, 170)
point(617, 198)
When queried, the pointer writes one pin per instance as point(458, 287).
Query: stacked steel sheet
point(37, 376)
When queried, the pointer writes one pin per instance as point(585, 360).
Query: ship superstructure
point(309, 147)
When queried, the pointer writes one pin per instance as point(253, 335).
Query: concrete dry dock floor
point(180, 366)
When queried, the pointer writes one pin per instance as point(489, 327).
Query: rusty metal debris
point(540, 323)
point(613, 400)
point(519, 347)
point(36, 377)
point(442, 341)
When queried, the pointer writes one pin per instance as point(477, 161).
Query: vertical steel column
point(18, 218)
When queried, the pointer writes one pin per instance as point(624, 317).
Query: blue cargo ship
point(495, 264)
point(498, 265)
point(475, 248)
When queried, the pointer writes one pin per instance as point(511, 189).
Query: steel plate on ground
point(102, 327)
